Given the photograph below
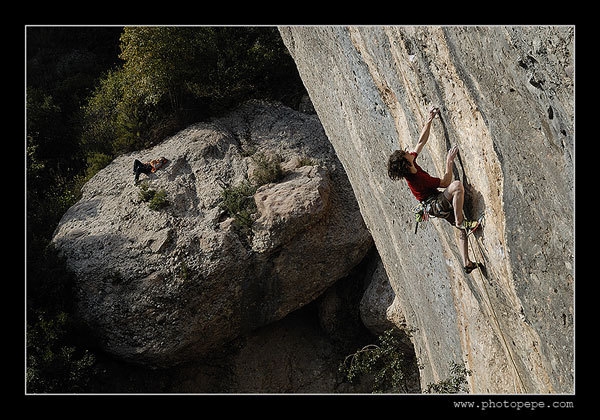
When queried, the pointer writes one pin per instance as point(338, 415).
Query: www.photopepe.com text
point(494, 404)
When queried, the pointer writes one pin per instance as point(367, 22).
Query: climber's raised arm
point(425, 131)
point(447, 178)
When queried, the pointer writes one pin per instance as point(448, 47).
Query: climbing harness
point(427, 208)
point(421, 214)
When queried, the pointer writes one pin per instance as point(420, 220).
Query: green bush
point(157, 200)
point(456, 383)
point(267, 169)
point(95, 162)
point(53, 365)
point(238, 202)
point(386, 363)
point(307, 161)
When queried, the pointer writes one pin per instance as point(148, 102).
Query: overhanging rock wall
point(506, 96)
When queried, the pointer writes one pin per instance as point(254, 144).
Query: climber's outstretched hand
point(452, 154)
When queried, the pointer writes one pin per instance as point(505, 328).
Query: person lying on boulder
point(447, 204)
point(148, 167)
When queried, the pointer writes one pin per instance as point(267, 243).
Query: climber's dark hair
point(398, 165)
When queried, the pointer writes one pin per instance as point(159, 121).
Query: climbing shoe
point(468, 225)
point(471, 267)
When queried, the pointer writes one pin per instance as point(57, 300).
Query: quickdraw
point(421, 211)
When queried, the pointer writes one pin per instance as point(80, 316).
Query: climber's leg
point(455, 193)
point(463, 247)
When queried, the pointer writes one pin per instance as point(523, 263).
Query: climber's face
point(410, 158)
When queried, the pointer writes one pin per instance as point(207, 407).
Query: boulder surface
point(168, 280)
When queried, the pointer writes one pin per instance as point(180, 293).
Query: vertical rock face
point(506, 96)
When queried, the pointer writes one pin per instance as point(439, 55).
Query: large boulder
point(163, 285)
point(506, 96)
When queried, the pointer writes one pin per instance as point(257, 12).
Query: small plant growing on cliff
point(267, 169)
point(456, 383)
point(386, 363)
point(238, 201)
point(157, 200)
point(306, 161)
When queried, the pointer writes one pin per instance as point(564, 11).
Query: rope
point(493, 312)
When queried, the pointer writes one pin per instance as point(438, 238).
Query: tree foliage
point(52, 364)
point(172, 76)
point(454, 384)
point(387, 364)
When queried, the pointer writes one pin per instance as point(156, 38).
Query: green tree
point(62, 65)
point(161, 63)
point(387, 364)
point(56, 359)
point(173, 76)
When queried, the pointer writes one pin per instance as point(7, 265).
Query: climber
point(148, 167)
point(447, 204)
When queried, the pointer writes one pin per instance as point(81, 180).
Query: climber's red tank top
point(421, 183)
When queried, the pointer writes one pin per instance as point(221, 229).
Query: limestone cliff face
point(506, 96)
